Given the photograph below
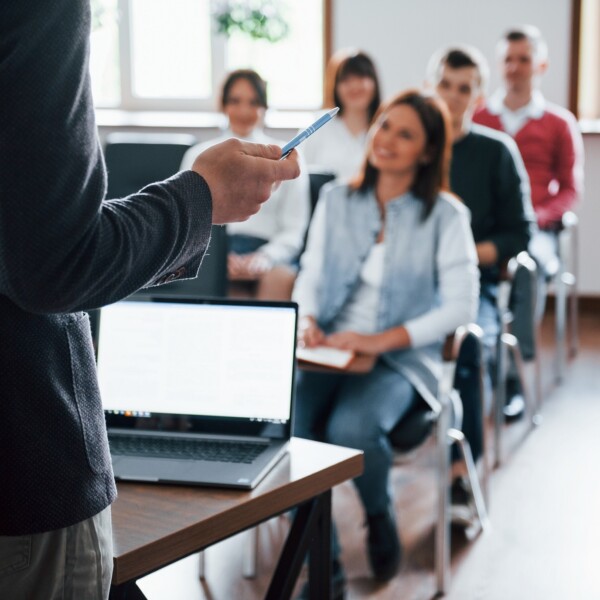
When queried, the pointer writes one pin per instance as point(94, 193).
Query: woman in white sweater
point(351, 83)
point(263, 249)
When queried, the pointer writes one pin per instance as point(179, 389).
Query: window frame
point(131, 103)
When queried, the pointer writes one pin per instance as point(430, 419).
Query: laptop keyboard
point(161, 447)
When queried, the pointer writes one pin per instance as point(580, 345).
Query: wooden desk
point(156, 525)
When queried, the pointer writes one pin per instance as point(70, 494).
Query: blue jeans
point(356, 411)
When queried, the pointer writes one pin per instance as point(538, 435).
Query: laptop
point(197, 391)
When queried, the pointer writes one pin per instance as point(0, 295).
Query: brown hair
point(431, 177)
point(253, 78)
point(458, 57)
point(533, 35)
point(343, 64)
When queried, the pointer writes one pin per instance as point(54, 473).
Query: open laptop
point(197, 391)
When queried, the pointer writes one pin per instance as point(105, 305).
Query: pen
point(309, 131)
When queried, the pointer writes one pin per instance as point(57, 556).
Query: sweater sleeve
point(63, 247)
point(513, 213)
point(311, 265)
point(458, 284)
point(568, 171)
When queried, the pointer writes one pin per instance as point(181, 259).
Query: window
point(158, 55)
point(585, 85)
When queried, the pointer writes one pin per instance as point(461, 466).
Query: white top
point(513, 120)
point(283, 219)
point(456, 291)
point(360, 313)
point(334, 148)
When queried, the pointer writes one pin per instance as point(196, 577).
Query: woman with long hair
point(351, 83)
point(390, 269)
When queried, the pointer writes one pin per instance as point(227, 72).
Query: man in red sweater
point(550, 143)
point(547, 135)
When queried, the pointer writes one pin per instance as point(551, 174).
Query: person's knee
point(357, 432)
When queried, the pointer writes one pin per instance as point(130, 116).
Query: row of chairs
point(440, 419)
point(134, 160)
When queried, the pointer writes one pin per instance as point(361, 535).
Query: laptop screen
point(191, 363)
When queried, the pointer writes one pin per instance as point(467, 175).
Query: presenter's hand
point(241, 176)
point(309, 333)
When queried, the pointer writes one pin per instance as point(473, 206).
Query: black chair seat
point(412, 430)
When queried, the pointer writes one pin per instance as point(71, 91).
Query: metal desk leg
point(311, 530)
point(126, 591)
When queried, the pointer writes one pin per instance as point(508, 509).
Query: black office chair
point(317, 179)
point(133, 160)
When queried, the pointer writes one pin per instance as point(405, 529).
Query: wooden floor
point(544, 509)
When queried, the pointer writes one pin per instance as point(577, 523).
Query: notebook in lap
point(197, 391)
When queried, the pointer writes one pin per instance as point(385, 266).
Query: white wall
point(401, 35)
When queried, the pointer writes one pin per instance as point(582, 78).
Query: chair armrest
point(569, 220)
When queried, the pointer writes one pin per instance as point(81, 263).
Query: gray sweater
point(64, 249)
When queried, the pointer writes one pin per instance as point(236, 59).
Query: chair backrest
point(463, 348)
point(522, 301)
point(133, 160)
point(317, 180)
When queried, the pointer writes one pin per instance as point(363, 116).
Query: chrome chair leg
point(500, 398)
point(202, 564)
point(249, 560)
point(530, 401)
point(566, 295)
point(458, 437)
point(442, 532)
point(560, 323)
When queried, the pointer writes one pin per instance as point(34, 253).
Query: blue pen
point(308, 131)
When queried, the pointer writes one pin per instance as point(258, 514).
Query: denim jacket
point(430, 283)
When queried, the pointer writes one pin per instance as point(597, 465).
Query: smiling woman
point(154, 55)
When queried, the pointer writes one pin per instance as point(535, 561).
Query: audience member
point(64, 249)
point(551, 146)
point(351, 83)
point(264, 249)
point(547, 135)
point(489, 176)
point(390, 268)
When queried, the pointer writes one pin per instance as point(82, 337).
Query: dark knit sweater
point(487, 173)
point(63, 249)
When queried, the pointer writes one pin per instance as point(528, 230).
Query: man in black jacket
point(488, 174)
point(63, 250)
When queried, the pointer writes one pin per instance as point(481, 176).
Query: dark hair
point(533, 35)
point(343, 64)
point(458, 57)
point(253, 78)
point(431, 177)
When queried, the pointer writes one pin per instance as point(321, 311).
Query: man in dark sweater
point(65, 249)
point(488, 174)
